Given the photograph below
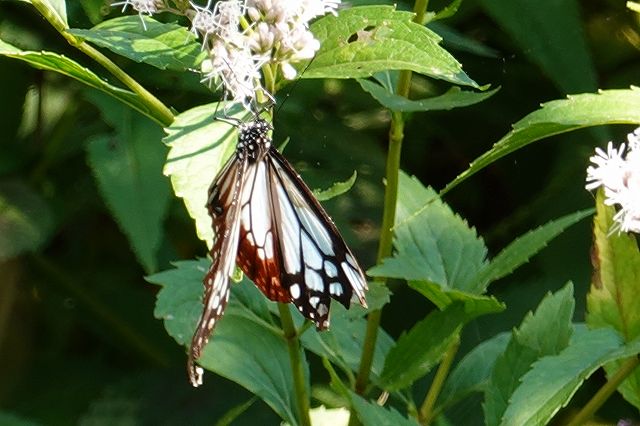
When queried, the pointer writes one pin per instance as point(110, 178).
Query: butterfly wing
point(223, 205)
point(259, 252)
point(316, 264)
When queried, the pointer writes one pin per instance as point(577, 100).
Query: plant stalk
point(297, 368)
point(426, 414)
point(157, 110)
point(385, 247)
point(605, 392)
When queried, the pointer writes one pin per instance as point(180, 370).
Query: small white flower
point(618, 172)
point(143, 7)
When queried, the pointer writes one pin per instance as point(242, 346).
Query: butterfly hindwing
point(317, 265)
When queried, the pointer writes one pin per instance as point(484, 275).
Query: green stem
point(157, 110)
point(299, 380)
point(396, 136)
point(605, 392)
point(426, 413)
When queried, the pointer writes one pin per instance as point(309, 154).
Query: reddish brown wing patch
point(259, 252)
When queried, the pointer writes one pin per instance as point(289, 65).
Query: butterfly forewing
point(223, 207)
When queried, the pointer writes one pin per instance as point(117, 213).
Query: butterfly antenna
point(293, 86)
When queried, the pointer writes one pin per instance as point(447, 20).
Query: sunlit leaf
point(336, 189)
point(199, 145)
point(363, 40)
point(165, 46)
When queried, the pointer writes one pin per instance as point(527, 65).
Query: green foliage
point(336, 189)
point(199, 145)
point(73, 295)
point(232, 352)
point(553, 379)
point(166, 46)
point(560, 116)
point(128, 167)
point(54, 62)
point(371, 414)
point(453, 98)
point(364, 40)
point(529, 343)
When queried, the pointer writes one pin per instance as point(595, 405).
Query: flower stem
point(297, 368)
point(426, 413)
point(605, 392)
point(396, 136)
point(157, 110)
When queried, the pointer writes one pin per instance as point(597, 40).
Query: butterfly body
point(267, 221)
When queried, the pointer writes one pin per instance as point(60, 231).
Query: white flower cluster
point(618, 172)
point(243, 37)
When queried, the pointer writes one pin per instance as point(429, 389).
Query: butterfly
point(267, 221)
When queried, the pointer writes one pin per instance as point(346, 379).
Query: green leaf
point(613, 297)
point(199, 146)
point(363, 40)
point(245, 347)
point(433, 244)
point(128, 168)
point(447, 11)
point(443, 297)
point(523, 248)
point(417, 351)
point(560, 116)
point(550, 33)
point(55, 11)
point(553, 380)
point(546, 332)
point(453, 98)
point(25, 219)
point(372, 414)
point(342, 343)
point(336, 189)
point(473, 372)
point(165, 46)
point(53, 62)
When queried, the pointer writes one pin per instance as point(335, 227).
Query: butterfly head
point(254, 140)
